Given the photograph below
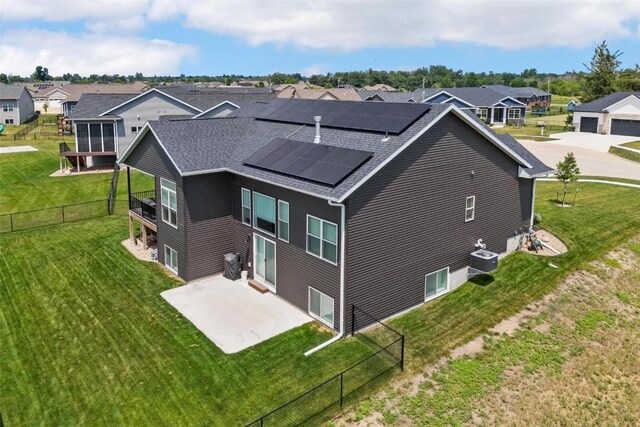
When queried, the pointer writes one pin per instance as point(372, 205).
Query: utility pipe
point(342, 280)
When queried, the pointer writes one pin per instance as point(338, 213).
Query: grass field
point(86, 339)
point(633, 144)
point(25, 183)
point(529, 131)
point(92, 342)
point(625, 154)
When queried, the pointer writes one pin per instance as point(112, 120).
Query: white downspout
point(343, 252)
point(533, 202)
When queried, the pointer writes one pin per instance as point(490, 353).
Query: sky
point(260, 37)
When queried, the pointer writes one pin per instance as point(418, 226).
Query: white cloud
point(87, 54)
point(314, 69)
point(350, 25)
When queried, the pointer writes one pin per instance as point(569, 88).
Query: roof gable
point(149, 95)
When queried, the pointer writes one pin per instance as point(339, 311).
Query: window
point(108, 139)
point(82, 136)
point(322, 239)
point(436, 283)
point(514, 113)
point(8, 121)
point(246, 206)
point(482, 113)
point(169, 204)
point(171, 259)
point(283, 221)
point(95, 133)
point(135, 129)
point(264, 213)
point(7, 107)
point(470, 208)
point(321, 307)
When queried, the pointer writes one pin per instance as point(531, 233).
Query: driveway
point(233, 315)
point(591, 141)
point(590, 161)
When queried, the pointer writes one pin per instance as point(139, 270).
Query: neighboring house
point(571, 105)
point(105, 124)
point(381, 87)
point(615, 114)
point(75, 91)
point(16, 104)
point(531, 96)
point(380, 213)
point(333, 94)
point(489, 105)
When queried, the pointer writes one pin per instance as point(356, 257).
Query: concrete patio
point(233, 315)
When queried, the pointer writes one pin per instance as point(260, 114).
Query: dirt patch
point(137, 251)
point(83, 171)
point(469, 349)
point(548, 240)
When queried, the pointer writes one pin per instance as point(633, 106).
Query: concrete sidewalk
point(233, 315)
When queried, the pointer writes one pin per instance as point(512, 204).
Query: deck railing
point(143, 204)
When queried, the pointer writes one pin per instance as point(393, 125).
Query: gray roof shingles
point(600, 105)
point(203, 145)
point(11, 91)
point(91, 105)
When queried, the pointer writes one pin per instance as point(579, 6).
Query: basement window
point(321, 306)
point(171, 259)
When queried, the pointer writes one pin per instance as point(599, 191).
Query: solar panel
point(383, 117)
point(314, 162)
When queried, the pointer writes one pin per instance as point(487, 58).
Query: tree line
point(602, 76)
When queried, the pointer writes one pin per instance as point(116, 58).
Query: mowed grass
point(87, 339)
point(25, 183)
point(625, 154)
point(632, 144)
point(604, 217)
point(529, 131)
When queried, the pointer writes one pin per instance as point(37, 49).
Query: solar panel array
point(320, 163)
point(382, 117)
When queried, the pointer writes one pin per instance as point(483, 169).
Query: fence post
point(62, 210)
point(341, 388)
point(11, 221)
point(402, 354)
point(353, 318)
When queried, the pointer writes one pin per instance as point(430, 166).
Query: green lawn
point(632, 144)
point(529, 131)
point(25, 183)
point(561, 100)
point(625, 154)
point(87, 339)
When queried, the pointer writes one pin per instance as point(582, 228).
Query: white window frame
point(471, 209)
point(8, 121)
point(255, 219)
point(437, 294)
point(135, 129)
point(318, 317)
point(511, 114)
point(322, 239)
point(167, 205)
point(169, 264)
point(7, 108)
point(279, 227)
point(483, 113)
point(242, 192)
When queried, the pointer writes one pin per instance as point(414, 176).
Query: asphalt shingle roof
point(518, 92)
point(223, 144)
point(600, 105)
point(11, 91)
point(91, 105)
point(476, 96)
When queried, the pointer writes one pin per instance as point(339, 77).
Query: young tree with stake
point(567, 171)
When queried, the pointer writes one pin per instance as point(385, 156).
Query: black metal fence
point(18, 221)
point(144, 204)
point(315, 405)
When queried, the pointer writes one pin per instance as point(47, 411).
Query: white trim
point(288, 221)
point(437, 294)
point(306, 238)
point(467, 208)
point(427, 99)
point(162, 205)
point(263, 280)
point(317, 317)
point(242, 190)
point(606, 109)
point(514, 109)
point(165, 259)
point(214, 107)
point(146, 93)
point(522, 104)
point(253, 213)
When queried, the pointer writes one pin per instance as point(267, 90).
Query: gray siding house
point(16, 105)
point(106, 123)
point(614, 114)
point(379, 206)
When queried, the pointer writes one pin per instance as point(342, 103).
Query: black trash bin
point(232, 266)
